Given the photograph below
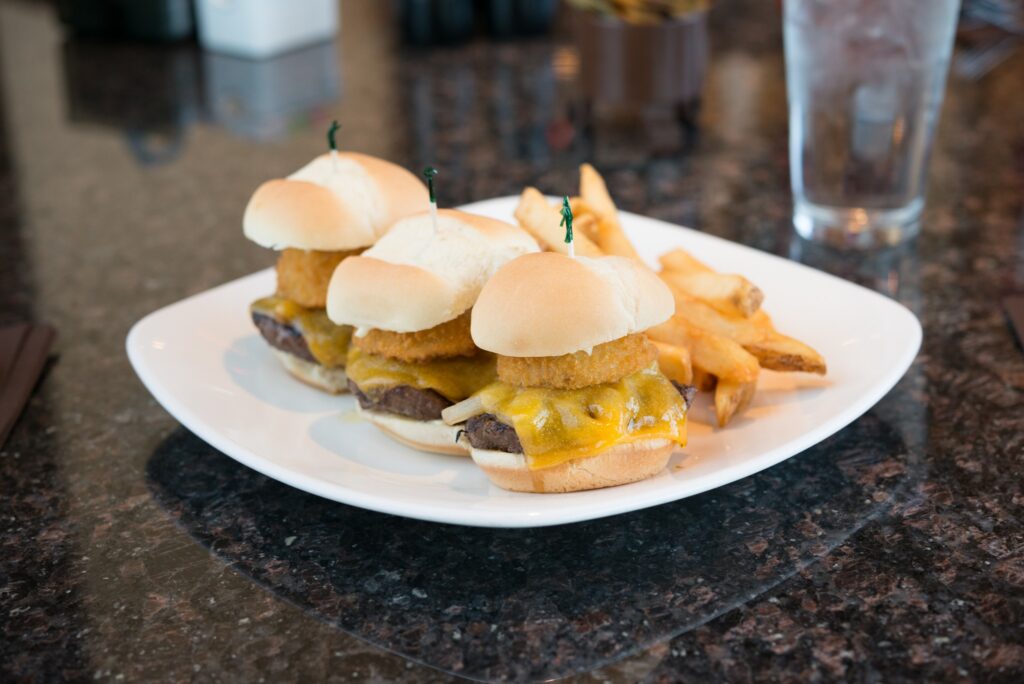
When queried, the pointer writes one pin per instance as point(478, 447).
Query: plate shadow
point(542, 603)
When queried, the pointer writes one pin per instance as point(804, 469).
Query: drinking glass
point(864, 80)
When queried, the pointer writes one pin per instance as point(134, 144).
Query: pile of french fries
point(719, 338)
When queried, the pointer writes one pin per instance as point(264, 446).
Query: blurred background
point(184, 106)
point(548, 81)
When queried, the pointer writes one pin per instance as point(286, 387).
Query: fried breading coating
point(303, 275)
point(607, 362)
point(448, 339)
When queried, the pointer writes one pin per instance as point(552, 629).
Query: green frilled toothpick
point(567, 222)
point(332, 142)
point(429, 173)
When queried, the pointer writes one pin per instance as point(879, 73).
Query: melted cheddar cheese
point(453, 378)
point(327, 342)
point(555, 426)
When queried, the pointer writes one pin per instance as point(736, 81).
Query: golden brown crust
point(617, 466)
point(607, 362)
point(303, 275)
point(445, 340)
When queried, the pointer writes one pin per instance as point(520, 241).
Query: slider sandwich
point(331, 209)
point(409, 298)
point(579, 402)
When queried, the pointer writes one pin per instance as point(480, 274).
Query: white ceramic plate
point(204, 362)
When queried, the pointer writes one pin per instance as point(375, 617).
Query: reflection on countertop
point(534, 604)
point(265, 99)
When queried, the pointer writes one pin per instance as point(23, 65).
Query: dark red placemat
point(1014, 308)
point(23, 351)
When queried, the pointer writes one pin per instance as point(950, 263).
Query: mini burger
point(333, 208)
point(579, 402)
point(409, 298)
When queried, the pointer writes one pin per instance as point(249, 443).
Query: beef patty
point(402, 400)
point(283, 336)
point(486, 432)
point(688, 392)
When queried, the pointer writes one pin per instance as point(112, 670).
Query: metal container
point(661, 63)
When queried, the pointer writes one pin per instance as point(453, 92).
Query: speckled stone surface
point(130, 550)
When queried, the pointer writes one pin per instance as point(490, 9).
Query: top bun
point(414, 279)
point(549, 304)
point(332, 207)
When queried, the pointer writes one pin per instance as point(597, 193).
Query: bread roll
point(414, 279)
point(333, 206)
point(549, 304)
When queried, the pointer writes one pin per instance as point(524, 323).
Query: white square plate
point(205, 363)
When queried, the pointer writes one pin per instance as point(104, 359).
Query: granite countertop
point(130, 550)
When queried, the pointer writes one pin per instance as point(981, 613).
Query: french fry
point(585, 219)
point(612, 240)
point(710, 352)
point(580, 207)
point(541, 220)
point(594, 192)
point(780, 353)
point(703, 381)
point(714, 355)
point(730, 294)
point(762, 320)
point(610, 237)
point(586, 225)
point(731, 397)
point(681, 260)
point(674, 362)
point(773, 350)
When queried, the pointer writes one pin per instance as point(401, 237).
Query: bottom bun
point(425, 435)
point(331, 380)
point(619, 465)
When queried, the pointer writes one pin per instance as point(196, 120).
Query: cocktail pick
point(332, 143)
point(567, 222)
point(429, 173)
